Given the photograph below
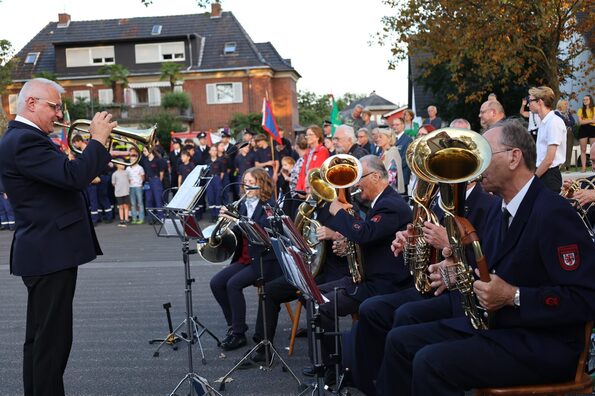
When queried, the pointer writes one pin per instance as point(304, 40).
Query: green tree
point(116, 74)
point(313, 108)
point(170, 71)
point(179, 100)
point(240, 121)
point(166, 123)
point(46, 74)
point(7, 64)
point(501, 43)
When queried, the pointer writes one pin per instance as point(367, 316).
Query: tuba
point(221, 241)
point(452, 157)
point(127, 136)
point(417, 253)
point(320, 192)
point(342, 171)
point(583, 211)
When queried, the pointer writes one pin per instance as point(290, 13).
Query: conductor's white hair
point(28, 87)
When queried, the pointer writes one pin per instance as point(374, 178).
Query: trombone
point(128, 136)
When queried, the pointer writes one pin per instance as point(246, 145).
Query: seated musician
point(540, 294)
point(364, 346)
point(382, 272)
point(244, 270)
point(586, 194)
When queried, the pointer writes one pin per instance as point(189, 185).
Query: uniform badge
point(551, 301)
point(568, 257)
point(357, 226)
point(376, 218)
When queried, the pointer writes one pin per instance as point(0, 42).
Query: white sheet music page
point(190, 191)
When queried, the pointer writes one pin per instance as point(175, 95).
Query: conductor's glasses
point(53, 105)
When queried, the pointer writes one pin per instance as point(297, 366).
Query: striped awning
point(150, 84)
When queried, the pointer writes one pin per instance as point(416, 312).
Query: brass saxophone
point(452, 157)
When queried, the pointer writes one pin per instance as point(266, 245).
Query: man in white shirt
point(551, 138)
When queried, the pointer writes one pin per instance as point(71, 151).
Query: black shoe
point(330, 379)
point(255, 359)
point(228, 335)
point(236, 341)
point(308, 371)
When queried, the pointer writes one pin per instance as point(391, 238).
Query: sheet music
point(190, 191)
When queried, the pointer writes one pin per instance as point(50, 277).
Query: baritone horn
point(121, 136)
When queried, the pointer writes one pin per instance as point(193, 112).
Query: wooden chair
point(582, 384)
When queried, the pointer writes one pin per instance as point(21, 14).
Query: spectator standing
point(433, 118)
point(314, 156)
point(245, 159)
point(563, 112)
point(327, 128)
point(345, 142)
point(201, 154)
point(354, 119)
point(330, 145)
point(154, 167)
point(136, 179)
point(391, 159)
point(411, 127)
point(490, 113)
point(215, 187)
point(367, 119)
point(363, 140)
point(174, 159)
point(6, 213)
point(122, 193)
point(402, 142)
point(534, 120)
point(184, 167)
point(586, 131)
point(264, 156)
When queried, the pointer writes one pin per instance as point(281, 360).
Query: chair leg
point(289, 311)
point(294, 327)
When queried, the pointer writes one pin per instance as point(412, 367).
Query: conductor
point(46, 189)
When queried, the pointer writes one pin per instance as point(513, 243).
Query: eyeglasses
point(53, 105)
point(502, 151)
point(367, 174)
point(529, 100)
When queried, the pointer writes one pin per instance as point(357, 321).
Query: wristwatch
point(517, 297)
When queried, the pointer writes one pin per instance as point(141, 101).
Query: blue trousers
point(105, 208)
point(154, 195)
point(137, 209)
point(93, 203)
point(6, 213)
point(433, 359)
point(214, 197)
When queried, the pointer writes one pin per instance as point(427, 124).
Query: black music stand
point(258, 236)
point(179, 222)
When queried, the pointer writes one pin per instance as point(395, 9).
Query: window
point(156, 30)
point(229, 48)
point(83, 96)
point(32, 57)
point(12, 103)
point(142, 96)
point(106, 96)
point(159, 52)
point(91, 56)
point(224, 93)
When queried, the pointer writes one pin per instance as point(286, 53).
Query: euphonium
point(321, 192)
point(417, 253)
point(452, 157)
point(342, 171)
point(221, 242)
point(583, 211)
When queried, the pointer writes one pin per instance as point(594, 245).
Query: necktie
point(505, 221)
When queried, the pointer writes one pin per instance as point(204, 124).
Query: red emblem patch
point(551, 301)
point(376, 219)
point(569, 257)
point(357, 226)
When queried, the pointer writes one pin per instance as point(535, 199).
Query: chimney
point(63, 20)
point(215, 10)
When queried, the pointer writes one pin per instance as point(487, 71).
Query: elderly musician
point(382, 272)
point(46, 190)
point(541, 292)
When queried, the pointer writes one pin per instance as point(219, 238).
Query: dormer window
point(229, 48)
point(32, 58)
point(156, 30)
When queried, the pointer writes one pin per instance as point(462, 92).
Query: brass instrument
point(221, 242)
point(452, 157)
point(342, 171)
point(321, 192)
point(127, 136)
point(583, 211)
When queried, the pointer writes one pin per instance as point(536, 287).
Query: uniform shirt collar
point(515, 202)
point(26, 121)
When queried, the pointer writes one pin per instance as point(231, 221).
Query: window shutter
point(154, 97)
point(12, 103)
point(106, 96)
point(237, 93)
point(211, 94)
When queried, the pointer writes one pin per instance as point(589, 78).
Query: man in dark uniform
point(541, 292)
point(174, 160)
point(382, 272)
point(46, 189)
point(201, 152)
point(264, 156)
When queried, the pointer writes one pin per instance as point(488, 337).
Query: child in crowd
point(215, 187)
point(287, 164)
point(243, 161)
point(122, 193)
point(185, 167)
point(136, 178)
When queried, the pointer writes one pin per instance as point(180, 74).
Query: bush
point(179, 100)
point(166, 123)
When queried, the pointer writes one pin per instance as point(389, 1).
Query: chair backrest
point(582, 360)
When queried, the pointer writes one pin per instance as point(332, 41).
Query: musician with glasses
point(541, 292)
point(45, 189)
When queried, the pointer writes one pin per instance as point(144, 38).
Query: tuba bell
point(342, 171)
point(320, 192)
point(452, 157)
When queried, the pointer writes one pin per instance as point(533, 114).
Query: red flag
point(269, 124)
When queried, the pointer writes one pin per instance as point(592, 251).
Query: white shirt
point(250, 206)
point(375, 199)
point(552, 131)
point(515, 202)
point(534, 121)
point(26, 121)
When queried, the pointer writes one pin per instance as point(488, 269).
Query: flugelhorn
point(127, 136)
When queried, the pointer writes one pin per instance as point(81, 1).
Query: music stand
point(179, 222)
point(258, 236)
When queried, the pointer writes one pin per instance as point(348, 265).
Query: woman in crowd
point(215, 187)
point(586, 130)
point(392, 159)
point(563, 112)
point(314, 156)
point(154, 167)
point(410, 126)
point(245, 268)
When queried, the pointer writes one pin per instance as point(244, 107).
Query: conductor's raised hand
point(101, 127)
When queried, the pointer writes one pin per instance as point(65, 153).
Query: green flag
point(335, 120)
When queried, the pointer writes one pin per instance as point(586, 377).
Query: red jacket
point(320, 155)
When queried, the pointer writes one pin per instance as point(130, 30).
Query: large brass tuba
point(127, 136)
point(417, 253)
point(320, 192)
point(342, 171)
point(221, 241)
point(452, 157)
point(583, 211)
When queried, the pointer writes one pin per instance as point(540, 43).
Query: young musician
point(245, 267)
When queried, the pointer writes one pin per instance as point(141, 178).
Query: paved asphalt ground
point(118, 309)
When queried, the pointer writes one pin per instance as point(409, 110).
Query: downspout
point(190, 50)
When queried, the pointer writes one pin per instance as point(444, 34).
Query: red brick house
point(223, 71)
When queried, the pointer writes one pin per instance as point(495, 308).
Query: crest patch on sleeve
point(376, 218)
point(569, 257)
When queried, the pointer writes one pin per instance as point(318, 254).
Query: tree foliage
point(170, 72)
point(166, 123)
point(47, 75)
point(116, 74)
point(179, 100)
point(314, 109)
point(240, 121)
point(7, 64)
point(500, 43)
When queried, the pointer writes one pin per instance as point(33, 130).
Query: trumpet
point(127, 136)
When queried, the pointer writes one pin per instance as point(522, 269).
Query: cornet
point(128, 136)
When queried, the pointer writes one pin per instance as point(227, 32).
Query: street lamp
point(89, 85)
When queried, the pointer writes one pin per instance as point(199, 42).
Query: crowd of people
point(539, 291)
